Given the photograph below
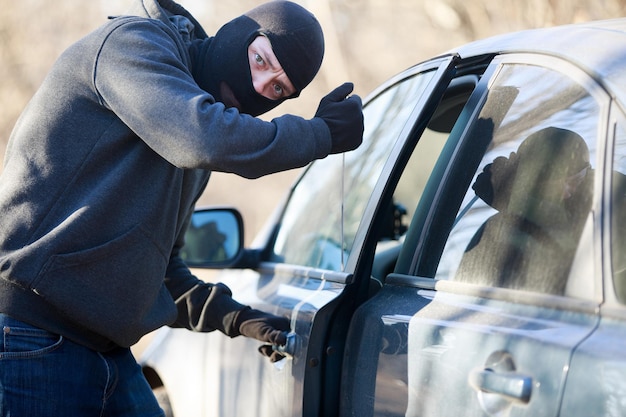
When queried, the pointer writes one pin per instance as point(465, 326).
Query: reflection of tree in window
point(537, 105)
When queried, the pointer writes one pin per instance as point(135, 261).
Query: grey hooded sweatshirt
point(102, 172)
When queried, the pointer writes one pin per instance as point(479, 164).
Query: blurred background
point(367, 41)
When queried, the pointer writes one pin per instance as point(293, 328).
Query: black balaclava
point(297, 41)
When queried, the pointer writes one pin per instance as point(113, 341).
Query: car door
point(310, 263)
point(517, 288)
point(595, 383)
point(497, 282)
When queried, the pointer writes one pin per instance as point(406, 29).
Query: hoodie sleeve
point(202, 306)
point(141, 76)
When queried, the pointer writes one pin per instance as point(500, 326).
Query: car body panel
point(476, 355)
point(597, 372)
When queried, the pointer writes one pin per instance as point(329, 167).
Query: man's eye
point(258, 59)
point(278, 90)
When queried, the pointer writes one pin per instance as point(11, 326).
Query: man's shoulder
point(135, 23)
point(142, 29)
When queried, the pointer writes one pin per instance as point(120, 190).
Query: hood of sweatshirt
point(166, 11)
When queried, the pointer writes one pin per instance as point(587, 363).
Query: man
point(102, 172)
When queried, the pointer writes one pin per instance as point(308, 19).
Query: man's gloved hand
point(344, 117)
point(264, 327)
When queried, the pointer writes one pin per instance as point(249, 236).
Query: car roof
point(598, 47)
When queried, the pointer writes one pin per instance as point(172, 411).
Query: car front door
point(312, 261)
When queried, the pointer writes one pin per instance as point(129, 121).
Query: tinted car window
point(522, 217)
point(314, 228)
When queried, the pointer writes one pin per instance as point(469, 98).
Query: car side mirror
point(214, 238)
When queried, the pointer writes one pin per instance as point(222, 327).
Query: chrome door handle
point(512, 385)
point(289, 348)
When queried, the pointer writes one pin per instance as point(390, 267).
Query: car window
point(315, 228)
point(521, 219)
point(423, 157)
point(618, 211)
point(416, 173)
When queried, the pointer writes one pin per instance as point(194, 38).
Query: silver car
point(468, 259)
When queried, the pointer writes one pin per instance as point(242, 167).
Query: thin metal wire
point(343, 171)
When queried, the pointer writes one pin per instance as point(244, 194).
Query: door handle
point(512, 385)
point(289, 348)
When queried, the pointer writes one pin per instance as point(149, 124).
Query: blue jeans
point(46, 375)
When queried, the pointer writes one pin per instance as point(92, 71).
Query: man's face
point(268, 77)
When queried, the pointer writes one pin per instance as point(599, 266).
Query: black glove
point(264, 327)
point(268, 350)
point(344, 118)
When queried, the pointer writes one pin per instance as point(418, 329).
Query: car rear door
point(481, 316)
point(596, 382)
point(510, 307)
point(312, 261)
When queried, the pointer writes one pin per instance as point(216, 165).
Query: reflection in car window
point(618, 212)
point(520, 221)
point(311, 229)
